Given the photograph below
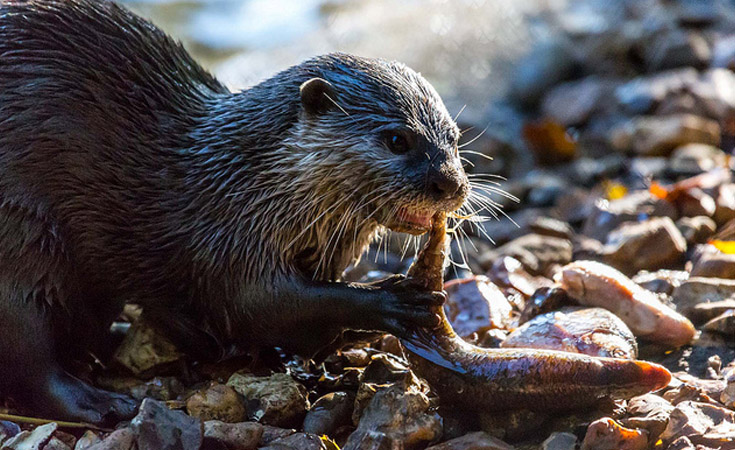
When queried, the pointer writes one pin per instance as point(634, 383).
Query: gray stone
point(31, 440)
point(158, 427)
point(638, 205)
point(696, 230)
point(235, 436)
point(652, 244)
point(329, 412)
point(660, 135)
point(276, 400)
point(560, 441)
point(676, 48)
point(478, 440)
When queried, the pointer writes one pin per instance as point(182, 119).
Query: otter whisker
point(460, 112)
point(482, 155)
point(474, 138)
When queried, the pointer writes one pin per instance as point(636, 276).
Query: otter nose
point(442, 186)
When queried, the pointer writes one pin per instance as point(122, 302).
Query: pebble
point(475, 305)
point(662, 281)
point(655, 243)
point(712, 263)
point(560, 441)
point(158, 427)
point(606, 433)
point(660, 135)
point(676, 48)
point(8, 430)
point(698, 290)
point(125, 439)
point(234, 436)
point(479, 440)
point(35, 439)
point(537, 253)
point(88, 439)
point(217, 402)
point(609, 214)
point(649, 412)
point(702, 424)
point(696, 230)
point(276, 400)
point(724, 323)
point(329, 412)
point(573, 102)
point(144, 350)
point(297, 441)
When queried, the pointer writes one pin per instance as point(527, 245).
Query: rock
point(660, 135)
point(508, 272)
point(693, 159)
point(88, 439)
point(546, 65)
point(698, 290)
point(144, 350)
point(121, 439)
point(158, 388)
point(723, 53)
point(573, 102)
point(575, 205)
point(276, 400)
point(234, 436)
point(475, 305)
point(724, 323)
point(697, 13)
point(725, 201)
point(550, 144)
point(478, 440)
point(714, 264)
point(217, 402)
point(56, 444)
point(727, 396)
point(396, 416)
point(606, 433)
point(694, 202)
point(702, 424)
point(329, 412)
point(714, 94)
point(662, 281)
point(536, 253)
point(158, 427)
point(676, 48)
point(641, 95)
point(636, 206)
point(8, 430)
point(652, 244)
point(272, 434)
point(591, 331)
point(560, 441)
point(649, 412)
point(297, 441)
point(696, 230)
point(545, 300)
point(35, 439)
point(547, 226)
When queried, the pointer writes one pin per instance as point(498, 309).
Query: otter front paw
point(406, 304)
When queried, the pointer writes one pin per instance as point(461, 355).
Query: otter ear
point(316, 94)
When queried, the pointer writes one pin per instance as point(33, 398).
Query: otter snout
point(447, 184)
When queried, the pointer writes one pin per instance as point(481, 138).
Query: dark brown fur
point(129, 174)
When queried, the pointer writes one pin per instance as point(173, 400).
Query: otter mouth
point(411, 221)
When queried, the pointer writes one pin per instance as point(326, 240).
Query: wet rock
point(35, 439)
point(158, 427)
point(124, 439)
point(508, 272)
point(478, 440)
point(573, 102)
point(144, 350)
point(642, 94)
point(698, 290)
point(8, 430)
point(329, 412)
point(591, 331)
point(272, 434)
point(476, 305)
point(652, 244)
point(560, 441)
point(649, 412)
point(536, 253)
point(544, 300)
point(662, 281)
point(724, 323)
point(217, 402)
point(397, 415)
point(702, 424)
point(88, 439)
point(276, 400)
point(595, 284)
point(725, 201)
point(56, 444)
point(696, 158)
point(696, 230)
point(297, 441)
point(694, 202)
point(636, 206)
point(606, 433)
point(234, 436)
point(676, 48)
point(660, 135)
point(714, 264)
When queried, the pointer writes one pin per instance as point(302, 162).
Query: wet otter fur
point(129, 174)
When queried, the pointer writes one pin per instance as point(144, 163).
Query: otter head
point(389, 140)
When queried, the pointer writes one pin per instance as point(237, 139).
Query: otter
point(130, 174)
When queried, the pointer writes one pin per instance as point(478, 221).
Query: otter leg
point(30, 374)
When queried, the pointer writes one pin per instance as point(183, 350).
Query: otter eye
point(397, 142)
